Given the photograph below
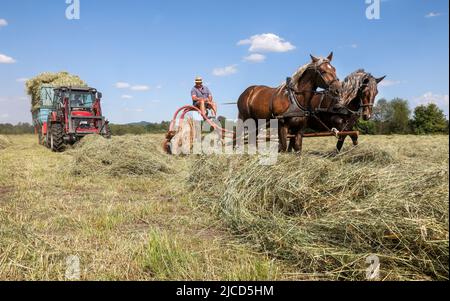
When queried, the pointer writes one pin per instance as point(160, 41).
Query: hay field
point(129, 212)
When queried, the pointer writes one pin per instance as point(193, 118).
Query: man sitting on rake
point(203, 99)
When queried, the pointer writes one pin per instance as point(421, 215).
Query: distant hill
point(142, 123)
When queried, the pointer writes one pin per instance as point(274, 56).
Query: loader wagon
point(40, 114)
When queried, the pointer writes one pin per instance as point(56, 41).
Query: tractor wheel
point(57, 138)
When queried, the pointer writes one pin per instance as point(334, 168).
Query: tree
point(19, 129)
point(381, 110)
point(398, 116)
point(139, 128)
point(429, 119)
point(381, 114)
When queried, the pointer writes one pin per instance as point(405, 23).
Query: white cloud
point(353, 46)
point(140, 88)
point(127, 97)
point(390, 83)
point(225, 71)
point(122, 85)
point(255, 58)
point(430, 97)
point(267, 42)
point(21, 80)
point(4, 116)
point(3, 23)
point(440, 100)
point(4, 59)
point(432, 15)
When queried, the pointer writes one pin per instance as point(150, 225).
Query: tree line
point(116, 129)
point(18, 129)
point(390, 117)
point(139, 129)
point(396, 117)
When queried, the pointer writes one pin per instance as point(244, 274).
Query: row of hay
point(4, 142)
point(33, 85)
point(119, 156)
point(326, 216)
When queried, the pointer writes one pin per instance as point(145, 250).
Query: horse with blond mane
point(290, 103)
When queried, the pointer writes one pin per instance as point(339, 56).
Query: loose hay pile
point(54, 79)
point(119, 156)
point(4, 142)
point(326, 216)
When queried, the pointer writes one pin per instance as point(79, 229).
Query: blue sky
point(144, 55)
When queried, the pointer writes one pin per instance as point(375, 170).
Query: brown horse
point(265, 103)
point(342, 110)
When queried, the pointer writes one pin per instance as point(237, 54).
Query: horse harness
point(297, 110)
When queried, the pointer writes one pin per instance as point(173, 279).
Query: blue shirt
point(202, 92)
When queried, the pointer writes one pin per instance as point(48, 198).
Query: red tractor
point(75, 113)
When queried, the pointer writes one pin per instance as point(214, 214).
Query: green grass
point(181, 222)
point(122, 227)
point(325, 214)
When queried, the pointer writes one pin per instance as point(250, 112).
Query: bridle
point(316, 69)
point(321, 73)
point(362, 105)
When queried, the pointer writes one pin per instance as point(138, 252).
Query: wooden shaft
point(327, 134)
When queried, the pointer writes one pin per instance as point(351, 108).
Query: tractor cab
point(77, 99)
point(81, 100)
point(77, 112)
point(82, 105)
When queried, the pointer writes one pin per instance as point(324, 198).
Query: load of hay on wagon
point(34, 86)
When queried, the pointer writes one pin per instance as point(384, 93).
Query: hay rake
point(182, 130)
point(181, 120)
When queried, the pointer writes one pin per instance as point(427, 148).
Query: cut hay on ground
point(119, 156)
point(4, 142)
point(326, 216)
point(54, 79)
